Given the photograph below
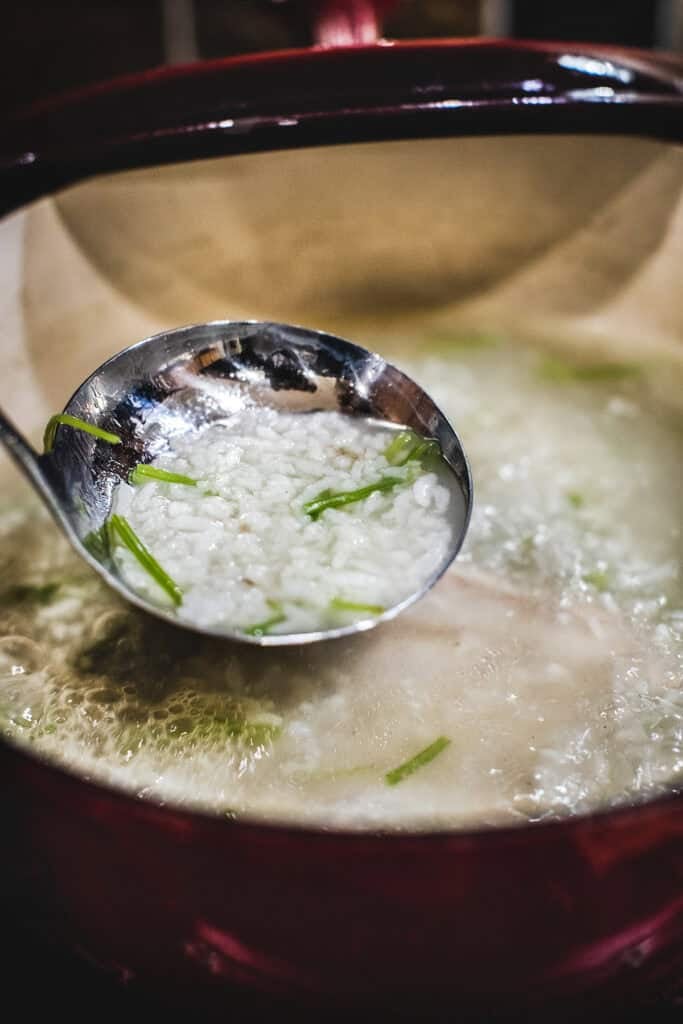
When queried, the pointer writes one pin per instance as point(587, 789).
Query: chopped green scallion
point(597, 579)
point(262, 628)
point(119, 526)
point(407, 446)
point(552, 368)
point(397, 775)
point(72, 421)
point(259, 734)
point(26, 593)
point(399, 449)
point(326, 499)
point(97, 543)
point(338, 604)
point(575, 499)
point(607, 371)
point(143, 472)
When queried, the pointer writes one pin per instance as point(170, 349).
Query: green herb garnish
point(332, 775)
point(219, 728)
point(338, 604)
point(607, 371)
point(392, 778)
point(97, 543)
point(143, 472)
point(262, 628)
point(575, 499)
point(72, 421)
point(327, 499)
point(555, 369)
point(258, 734)
point(205, 731)
point(26, 593)
point(409, 446)
point(597, 579)
point(119, 526)
point(400, 448)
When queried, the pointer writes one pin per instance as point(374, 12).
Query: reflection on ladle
point(167, 387)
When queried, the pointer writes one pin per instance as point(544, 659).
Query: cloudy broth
point(541, 677)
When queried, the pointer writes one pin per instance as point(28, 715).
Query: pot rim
point(177, 817)
point(287, 99)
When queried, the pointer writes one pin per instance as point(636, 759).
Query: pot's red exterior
point(330, 96)
point(192, 904)
point(590, 906)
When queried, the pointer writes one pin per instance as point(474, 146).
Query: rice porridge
point(287, 523)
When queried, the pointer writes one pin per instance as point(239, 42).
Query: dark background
point(49, 47)
point(52, 985)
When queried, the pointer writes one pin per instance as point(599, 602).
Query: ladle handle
point(28, 460)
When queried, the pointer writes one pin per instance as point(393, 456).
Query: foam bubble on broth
point(551, 654)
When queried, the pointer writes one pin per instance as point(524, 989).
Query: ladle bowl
point(175, 383)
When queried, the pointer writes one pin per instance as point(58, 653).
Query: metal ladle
point(173, 383)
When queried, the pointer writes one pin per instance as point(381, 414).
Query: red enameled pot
point(585, 908)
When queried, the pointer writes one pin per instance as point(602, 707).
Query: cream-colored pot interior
point(566, 238)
